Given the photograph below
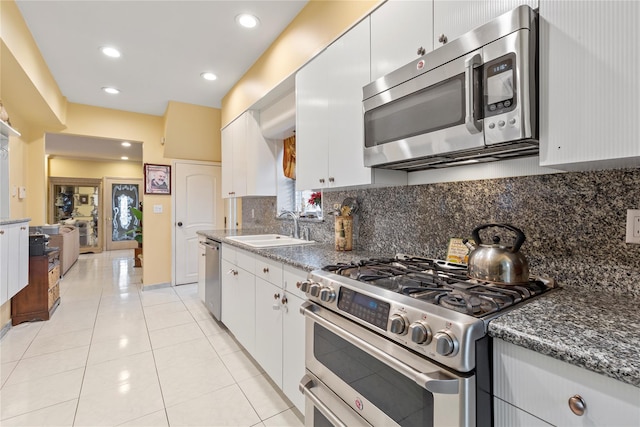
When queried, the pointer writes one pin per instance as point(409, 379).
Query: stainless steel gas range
point(402, 341)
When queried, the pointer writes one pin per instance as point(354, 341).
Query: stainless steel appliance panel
point(213, 281)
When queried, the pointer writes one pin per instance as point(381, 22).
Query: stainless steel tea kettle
point(495, 262)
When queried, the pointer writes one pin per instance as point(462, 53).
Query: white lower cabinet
point(14, 259)
point(533, 389)
point(202, 264)
point(261, 307)
point(268, 351)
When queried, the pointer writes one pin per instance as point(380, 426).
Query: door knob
point(179, 223)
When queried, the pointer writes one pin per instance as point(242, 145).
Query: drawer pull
point(577, 405)
point(265, 270)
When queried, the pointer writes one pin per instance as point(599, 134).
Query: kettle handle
point(520, 237)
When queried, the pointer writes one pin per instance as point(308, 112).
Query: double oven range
point(402, 342)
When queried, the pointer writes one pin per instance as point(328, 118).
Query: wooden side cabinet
point(41, 297)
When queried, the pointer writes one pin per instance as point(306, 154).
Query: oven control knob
point(327, 294)
point(399, 324)
point(420, 332)
point(314, 289)
point(446, 344)
point(303, 286)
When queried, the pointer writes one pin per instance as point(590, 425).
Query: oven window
point(437, 107)
point(396, 395)
point(320, 420)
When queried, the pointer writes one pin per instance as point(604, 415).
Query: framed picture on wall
point(157, 179)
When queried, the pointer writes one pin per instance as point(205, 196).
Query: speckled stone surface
point(13, 221)
point(594, 331)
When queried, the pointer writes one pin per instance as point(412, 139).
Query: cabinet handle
point(321, 180)
point(232, 271)
point(276, 296)
point(421, 51)
point(577, 405)
point(23, 228)
point(284, 300)
point(1, 231)
point(265, 270)
point(331, 179)
point(442, 39)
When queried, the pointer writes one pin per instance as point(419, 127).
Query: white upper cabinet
point(589, 85)
point(451, 19)
point(248, 160)
point(329, 117)
point(14, 259)
point(398, 29)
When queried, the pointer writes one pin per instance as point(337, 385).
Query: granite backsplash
point(574, 222)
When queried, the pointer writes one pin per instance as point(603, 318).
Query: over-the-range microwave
point(474, 99)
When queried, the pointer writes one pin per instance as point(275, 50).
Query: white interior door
point(120, 194)
point(198, 206)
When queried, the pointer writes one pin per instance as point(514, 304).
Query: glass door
point(120, 223)
point(77, 201)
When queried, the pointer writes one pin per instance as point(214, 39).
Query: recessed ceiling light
point(126, 144)
point(110, 51)
point(209, 76)
point(247, 21)
point(111, 90)
point(124, 158)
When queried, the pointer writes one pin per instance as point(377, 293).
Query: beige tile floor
point(113, 354)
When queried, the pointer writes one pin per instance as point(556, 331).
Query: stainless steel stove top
point(429, 306)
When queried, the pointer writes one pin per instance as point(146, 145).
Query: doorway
point(120, 223)
point(77, 201)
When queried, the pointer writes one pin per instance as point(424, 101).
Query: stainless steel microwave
point(475, 99)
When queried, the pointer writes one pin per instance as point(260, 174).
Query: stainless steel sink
point(269, 240)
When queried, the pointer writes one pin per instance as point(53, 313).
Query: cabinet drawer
point(230, 254)
point(291, 277)
point(269, 270)
point(54, 294)
point(542, 386)
point(54, 275)
point(245, 260)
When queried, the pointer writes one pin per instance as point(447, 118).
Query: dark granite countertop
point(13, 221)
point(596, 331)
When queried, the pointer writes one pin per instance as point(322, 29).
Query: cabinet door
point(350, 71)
point(201, 270)
point(4, 263)
point(238, 304)
point(227, 161)
point(454, 18)
point(589, 86)
point(398, 29)
point(19, 278)
point(312, 116)
point(268, 348)
point(260, 158)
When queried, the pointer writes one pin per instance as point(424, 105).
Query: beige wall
point(192, 132)
point(73, 168)
point(317, 25)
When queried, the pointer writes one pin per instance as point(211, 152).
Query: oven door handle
point(306, 384)
point(435, 382)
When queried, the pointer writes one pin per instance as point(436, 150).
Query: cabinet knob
point(276, 296)
point(442, 39)
point(284, 300)
point(577, 405)
point(421, 51)
point(331, 179)
point(1, 231)
point(265, 270)
point(232, 271)
point(321, 180)
point(23, 228)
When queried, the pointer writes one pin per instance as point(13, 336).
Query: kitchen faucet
point(294, 216)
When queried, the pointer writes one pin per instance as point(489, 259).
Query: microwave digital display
point(499, 86)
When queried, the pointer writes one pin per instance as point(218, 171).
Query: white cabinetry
point(534, 387)
point(14, 259)
point(329, 117)
point(261, 307)
point(248, 160)
point(398, 29)
point(239, 295)
point(452, 19)
point(202, 263)
point(589, 86)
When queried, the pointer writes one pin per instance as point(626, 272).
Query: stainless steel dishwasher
point(212, 281)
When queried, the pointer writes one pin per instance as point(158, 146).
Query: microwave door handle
point(435, 382)
point(473, 125)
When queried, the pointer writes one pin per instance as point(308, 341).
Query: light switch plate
point(633, 226)
point(157, 208)
point(22, 193)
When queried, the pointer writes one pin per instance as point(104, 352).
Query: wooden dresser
point(41, 297)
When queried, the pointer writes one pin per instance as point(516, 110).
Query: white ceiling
point(165, 47)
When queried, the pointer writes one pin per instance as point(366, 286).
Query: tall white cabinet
point(329, 117)
point(590, 88)
point(14, 258)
